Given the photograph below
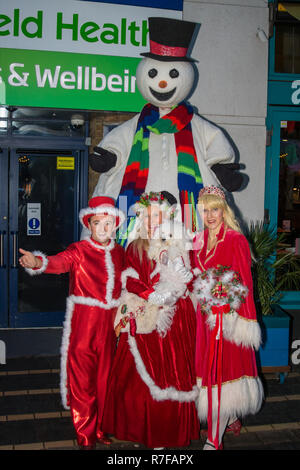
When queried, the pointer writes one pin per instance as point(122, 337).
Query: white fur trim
point(108, 247)
point(165, 319)
point(129, 272)
point(71, 301)
point(64, 352)
point(111, 277)
point(157, 393)
point(238, 398)
point(34, 272)
point(101, 210)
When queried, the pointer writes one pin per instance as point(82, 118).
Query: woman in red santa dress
point(152, 390)
point(227, 334)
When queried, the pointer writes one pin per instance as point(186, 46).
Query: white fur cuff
point(238, 329)
point(34, 272)
point(247, 333)
point(129, 272)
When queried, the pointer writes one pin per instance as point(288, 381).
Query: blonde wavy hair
point(141, 243)
point(211, 201)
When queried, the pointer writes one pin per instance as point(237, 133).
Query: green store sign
point(79, 55)
point(64, 80)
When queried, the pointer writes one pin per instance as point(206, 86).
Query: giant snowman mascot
point(166, 146)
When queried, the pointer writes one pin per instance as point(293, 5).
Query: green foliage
point(274, 270)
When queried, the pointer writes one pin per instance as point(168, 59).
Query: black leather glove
point(102, 160)
point(229, 178)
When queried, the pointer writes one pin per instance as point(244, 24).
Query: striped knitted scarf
point(177, 122)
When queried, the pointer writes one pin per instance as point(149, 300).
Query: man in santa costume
point(88, 345)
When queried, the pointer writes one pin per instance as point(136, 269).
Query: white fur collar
point(108, 247)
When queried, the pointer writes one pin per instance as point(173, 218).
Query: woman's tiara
point(215, 190)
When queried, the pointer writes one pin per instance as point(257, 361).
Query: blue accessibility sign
point(34, 223)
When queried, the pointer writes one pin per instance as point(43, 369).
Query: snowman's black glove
point(229, 178)
point(102, 160)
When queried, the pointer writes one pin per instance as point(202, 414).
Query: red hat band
point(163, 50)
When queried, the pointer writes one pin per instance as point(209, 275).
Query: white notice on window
point(34, 218)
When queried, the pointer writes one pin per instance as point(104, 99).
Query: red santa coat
point(89, 341)
point(241, 391)
point(152, 388)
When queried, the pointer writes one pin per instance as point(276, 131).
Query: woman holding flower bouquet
point(152, 391)
point(227, 328)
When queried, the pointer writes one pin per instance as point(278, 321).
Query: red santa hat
point(101, 205)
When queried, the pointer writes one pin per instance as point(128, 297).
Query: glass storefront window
point(42, 122)
point(47, 128)
point(287, 38)
point(289, 184)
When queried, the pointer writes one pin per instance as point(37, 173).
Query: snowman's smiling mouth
point(162, 96)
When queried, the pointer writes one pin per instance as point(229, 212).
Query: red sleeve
point(63, 261)
point(242, 264)
point(143, 286)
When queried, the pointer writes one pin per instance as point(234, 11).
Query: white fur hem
point(34, 272)
point(71, 301)
point(157, 393)
point(238, 398)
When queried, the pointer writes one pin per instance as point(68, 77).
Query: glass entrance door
point(41, 190)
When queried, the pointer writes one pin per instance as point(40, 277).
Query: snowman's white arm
point(212, 142)
point(119, 141)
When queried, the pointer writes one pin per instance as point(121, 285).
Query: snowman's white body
point(210, 143)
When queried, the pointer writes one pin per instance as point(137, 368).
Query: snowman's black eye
point(152, 73)
point(174, 73)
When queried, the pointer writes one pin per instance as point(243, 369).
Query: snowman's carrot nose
point(163, 84)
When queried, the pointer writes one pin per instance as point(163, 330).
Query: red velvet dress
point(89, 340)
point(132, 413)
point(242, 391)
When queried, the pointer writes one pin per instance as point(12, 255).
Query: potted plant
point(274, 270)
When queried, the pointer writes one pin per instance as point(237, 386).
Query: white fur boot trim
point(239, 397)
point(34, 272)
point(157, 393)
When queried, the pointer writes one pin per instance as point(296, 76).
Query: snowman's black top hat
point(169, 39)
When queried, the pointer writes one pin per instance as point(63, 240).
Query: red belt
point(215, 349)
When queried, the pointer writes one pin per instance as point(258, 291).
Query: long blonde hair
point(213, 201)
